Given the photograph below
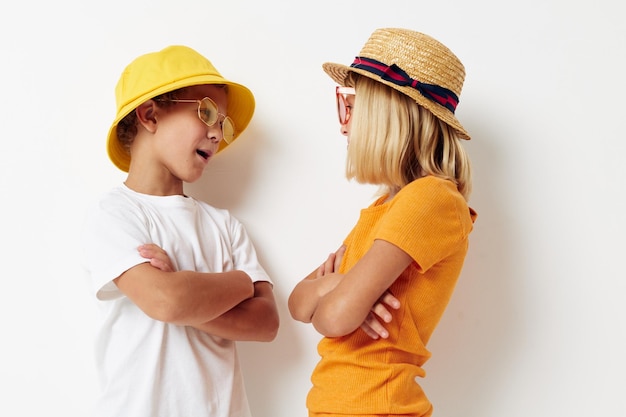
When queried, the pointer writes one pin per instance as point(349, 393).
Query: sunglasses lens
point(341, 109)
point(208, 112)
point(228, 130)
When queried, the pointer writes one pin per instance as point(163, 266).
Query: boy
point(178, 281)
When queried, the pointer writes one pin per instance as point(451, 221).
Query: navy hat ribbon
point(396, 75)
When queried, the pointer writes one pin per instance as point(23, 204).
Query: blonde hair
point(394, 141)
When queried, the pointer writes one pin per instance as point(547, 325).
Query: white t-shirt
point(149, 368)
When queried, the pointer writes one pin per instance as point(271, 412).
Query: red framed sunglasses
point(343, 106)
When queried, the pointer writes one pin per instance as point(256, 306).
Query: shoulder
point(217, 215)
point(211, 209)
point(431, 184)
point(116, 203)
point(434, 199)
point(115, 197)
point(432, 190)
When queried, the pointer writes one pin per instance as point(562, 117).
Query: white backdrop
point(536, 326)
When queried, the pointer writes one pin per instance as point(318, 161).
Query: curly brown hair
point(127, 127)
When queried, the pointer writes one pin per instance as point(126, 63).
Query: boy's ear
point(146, 115)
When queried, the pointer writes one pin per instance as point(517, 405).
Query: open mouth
point(203, 154)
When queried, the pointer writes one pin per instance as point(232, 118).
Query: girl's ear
point(146, 115)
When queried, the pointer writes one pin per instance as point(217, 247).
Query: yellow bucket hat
point(414, 64)
point(156, 73)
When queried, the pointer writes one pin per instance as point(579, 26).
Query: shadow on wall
point(479, 335)
point(227, 183)
point(228, 175)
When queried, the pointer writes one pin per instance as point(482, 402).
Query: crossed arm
point(225, 304)
point(337, 304)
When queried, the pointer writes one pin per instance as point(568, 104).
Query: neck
point(160, 185)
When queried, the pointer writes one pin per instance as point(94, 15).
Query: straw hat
point(156, 73)
point(416, 65)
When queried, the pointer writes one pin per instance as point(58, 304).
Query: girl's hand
point(332, 262)
point(157, 256)
point(372, 325)
point(305, 297)
point(328, 272)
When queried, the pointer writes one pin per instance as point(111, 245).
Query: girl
point(378, 298)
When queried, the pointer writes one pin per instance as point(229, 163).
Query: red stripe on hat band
point(396, 75)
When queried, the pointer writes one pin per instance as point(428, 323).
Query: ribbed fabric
point(359, 376)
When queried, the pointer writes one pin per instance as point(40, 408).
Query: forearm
point(344, 309)
point(337, 315)
point(255, 319)
point(184, 297)
point(201, 297)
point(304, 298)
point(252, 320)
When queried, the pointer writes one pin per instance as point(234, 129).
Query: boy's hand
point(372, 325)
point(157, 256)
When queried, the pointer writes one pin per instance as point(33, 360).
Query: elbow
point(330, 329)
point(297, 313)
point(168, 307)
point(164, 313)
point(270, 330)
point(330, 325)
point(167, 314)
point(269, 335)
point(265, 330)
point(263, 322)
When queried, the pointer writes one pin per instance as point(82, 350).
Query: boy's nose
point(214, 134)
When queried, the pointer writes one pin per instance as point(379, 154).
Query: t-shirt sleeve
point(244, 254)
point(428, 220)
point(110, 237)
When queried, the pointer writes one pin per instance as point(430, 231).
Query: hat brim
point(339, 73)
point(240, 109)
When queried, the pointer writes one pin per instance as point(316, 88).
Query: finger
point(145, 252)
point(381, 311)
point(368, 331)
point(151, 247)
point(389, 299)
point(326, 267)
point(150, 250)
point(160, 264)
point(376, 326)
point(320, 271)
point(338, 257)
point(330, 263)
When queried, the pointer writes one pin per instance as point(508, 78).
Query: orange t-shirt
point(359, 376)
